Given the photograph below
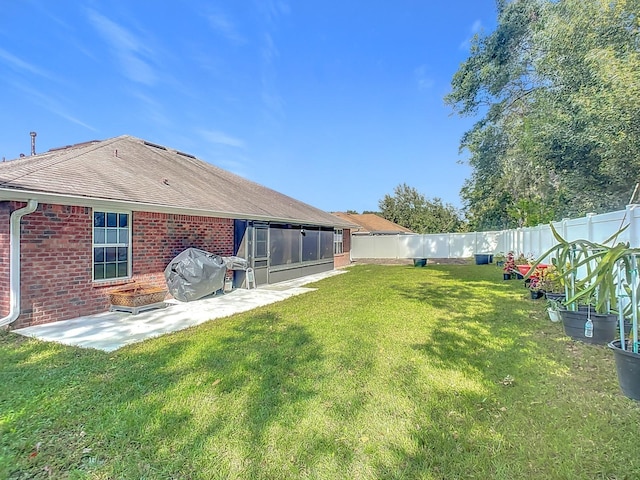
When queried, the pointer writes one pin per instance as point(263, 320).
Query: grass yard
point(386, 372)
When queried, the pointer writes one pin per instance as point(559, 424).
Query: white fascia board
point(7, 194)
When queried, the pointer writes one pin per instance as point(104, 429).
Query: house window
point(111, 245)
point(338, 246)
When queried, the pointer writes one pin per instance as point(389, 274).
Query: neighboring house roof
point(373, 224)
point(131, 173)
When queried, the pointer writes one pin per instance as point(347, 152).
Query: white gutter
point(14, 261)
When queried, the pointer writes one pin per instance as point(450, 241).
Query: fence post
point(633, 225)
point(565, 229)
point(589, 217)
point(540, 249)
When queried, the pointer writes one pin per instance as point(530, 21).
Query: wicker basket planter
point(135, 298)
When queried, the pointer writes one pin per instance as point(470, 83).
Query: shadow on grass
point(255, 365)
point(337, 384)
point(485, 338)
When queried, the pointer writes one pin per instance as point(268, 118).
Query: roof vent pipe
point(14, 261)
point(33, 142)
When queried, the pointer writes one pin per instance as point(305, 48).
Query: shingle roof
point(372, 223)
point(131, 170)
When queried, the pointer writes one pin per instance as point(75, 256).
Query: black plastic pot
point(555, 296)
point(628, 369)
point(419, 262)
point(536, 294)
point(506, 276)
point(604, 326)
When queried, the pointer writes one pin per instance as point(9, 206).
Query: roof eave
point(10, 194)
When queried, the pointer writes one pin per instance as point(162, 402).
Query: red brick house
point(77, 222)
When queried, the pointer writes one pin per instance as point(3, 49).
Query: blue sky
point(331, 102)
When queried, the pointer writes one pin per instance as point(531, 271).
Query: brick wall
point(344, 259)
point(158, 238)
point(5, 213)
point(57, 257)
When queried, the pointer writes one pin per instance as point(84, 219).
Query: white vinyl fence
point(532, 241)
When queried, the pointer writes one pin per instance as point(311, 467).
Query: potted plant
point(551, 282)
point(588, 271)
point(536, 282)
point(626, 349)
point(553, 310)
point(509, 266)
point(500, 259)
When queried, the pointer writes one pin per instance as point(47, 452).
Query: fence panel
point(531, 241)
point(410, 246)
point(436, 245)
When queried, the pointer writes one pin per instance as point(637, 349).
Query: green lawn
point(386, 372)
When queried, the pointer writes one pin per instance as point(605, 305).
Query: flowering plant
point(538, 280)
point(509, 263)
point(551, 280)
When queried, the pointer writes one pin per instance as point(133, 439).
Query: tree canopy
point(411, 209)
point(557, 89)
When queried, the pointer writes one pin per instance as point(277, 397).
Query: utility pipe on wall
point(14, 261)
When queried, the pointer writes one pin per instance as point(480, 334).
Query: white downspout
point(14, 261)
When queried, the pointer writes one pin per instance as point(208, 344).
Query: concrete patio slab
point(109, 331)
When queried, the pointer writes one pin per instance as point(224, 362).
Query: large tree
point(556, 89)
point(411, 209)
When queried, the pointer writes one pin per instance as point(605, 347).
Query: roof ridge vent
point(154, 145)
point(75, 145)
point(185, 154)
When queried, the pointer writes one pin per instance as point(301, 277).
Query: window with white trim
point(111, 245)
point(338, 244)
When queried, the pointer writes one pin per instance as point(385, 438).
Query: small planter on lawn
point(554, 315)
point(484, 258)
point(536, 294)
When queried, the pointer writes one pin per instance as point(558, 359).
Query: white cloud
point(476, 28)
point(225, 27)
point(273, 9)
point(153, 110)
point(129, 49)
point(221, 138)
point(49, 103)
point(19, 64)
point(269, 50)
point(424, 80)
point(270, 96)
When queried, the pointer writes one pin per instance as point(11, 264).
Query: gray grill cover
point(236, 263)
point(194, 273)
